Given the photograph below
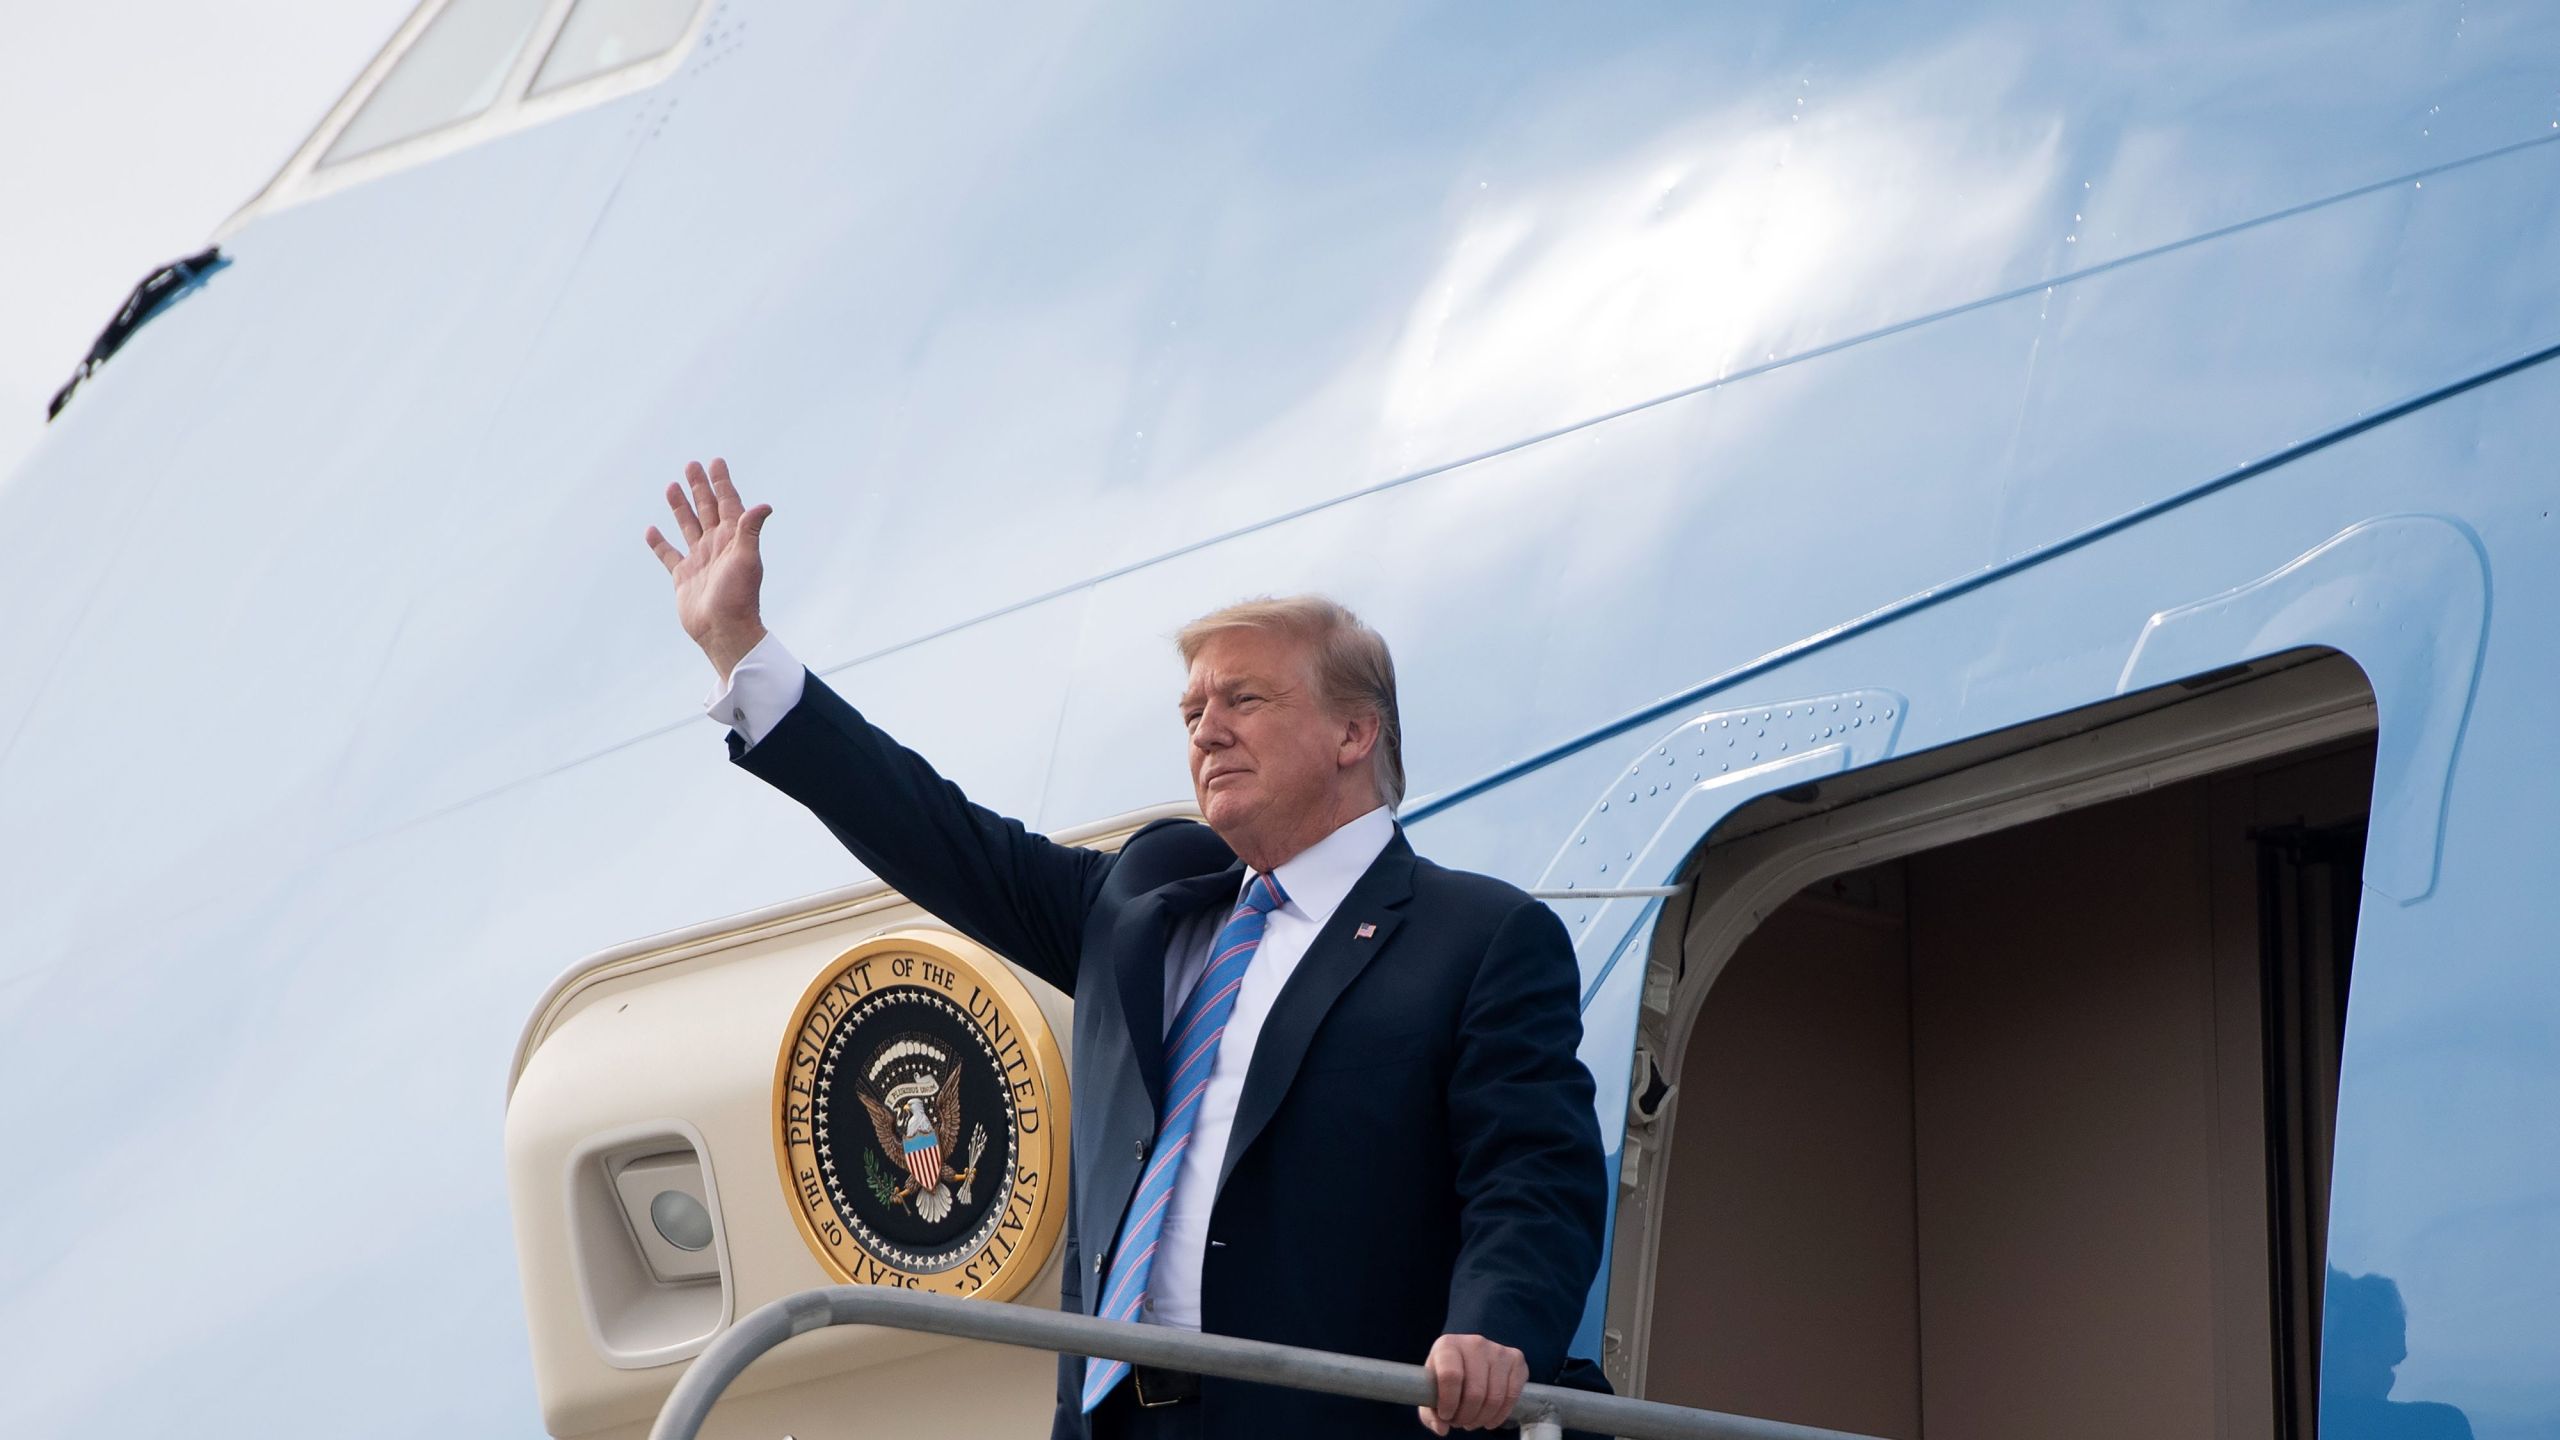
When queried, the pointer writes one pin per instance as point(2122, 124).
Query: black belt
point(1157, 1388)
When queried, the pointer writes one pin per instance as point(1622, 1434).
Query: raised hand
point(719, 579)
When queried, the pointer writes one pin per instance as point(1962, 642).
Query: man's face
point(1266, 759)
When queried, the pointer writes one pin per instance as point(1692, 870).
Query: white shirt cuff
point(759, 691)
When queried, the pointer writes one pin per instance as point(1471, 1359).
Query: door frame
point(1769, 850)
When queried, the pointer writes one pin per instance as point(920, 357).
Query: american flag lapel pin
point(1365, 931)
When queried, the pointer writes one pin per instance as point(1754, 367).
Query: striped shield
point(924, 1159)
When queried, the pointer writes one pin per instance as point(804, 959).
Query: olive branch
point(881, 1189)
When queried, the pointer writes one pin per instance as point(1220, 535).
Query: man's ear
point(1359, 739)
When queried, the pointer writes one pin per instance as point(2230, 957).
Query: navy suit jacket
point(1414, 1152)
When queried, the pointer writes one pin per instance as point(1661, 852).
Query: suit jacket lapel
point(1141, 963)
point(1331, 963)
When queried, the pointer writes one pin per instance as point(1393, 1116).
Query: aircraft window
point(602, 35)
point(453, 72)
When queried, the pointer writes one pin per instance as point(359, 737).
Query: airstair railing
point(1541, 1414)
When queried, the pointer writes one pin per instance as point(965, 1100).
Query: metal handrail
point(1542, 1409)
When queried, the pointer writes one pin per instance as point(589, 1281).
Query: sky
point(129, 129)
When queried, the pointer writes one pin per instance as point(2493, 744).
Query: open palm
point(719, 577)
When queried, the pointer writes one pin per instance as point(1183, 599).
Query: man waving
point(1325, 1091)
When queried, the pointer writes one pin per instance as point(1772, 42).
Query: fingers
point(685, 522)
point(1449, 1373)
point(705, 504)
point(1472, 1395)
point(1502, 1391)
point(1478, 1383)
point(724, 494)
point(705, 500)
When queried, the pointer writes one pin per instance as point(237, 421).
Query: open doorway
point(2025, 1132)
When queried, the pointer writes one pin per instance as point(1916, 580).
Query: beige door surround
point(650, 1068)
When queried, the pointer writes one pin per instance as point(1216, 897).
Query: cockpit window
point(602, 35)
point(454, 71)
point(460, 73)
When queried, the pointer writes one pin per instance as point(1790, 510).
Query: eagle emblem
point(920, 1109)
point(914, 1102)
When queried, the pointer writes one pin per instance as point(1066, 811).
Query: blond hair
point(1352, 667)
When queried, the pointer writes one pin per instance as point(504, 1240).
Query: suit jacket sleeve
point(1532, 1185)
point(1020, 894)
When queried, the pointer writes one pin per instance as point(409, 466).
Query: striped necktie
point(1190, 1049)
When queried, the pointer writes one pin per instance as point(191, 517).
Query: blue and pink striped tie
point(1190, 1049)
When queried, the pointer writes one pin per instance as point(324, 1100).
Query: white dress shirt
point(768, 681)
point(758, 691)
point(1315, 882)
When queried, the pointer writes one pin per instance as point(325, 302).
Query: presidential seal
point(920, 1109)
